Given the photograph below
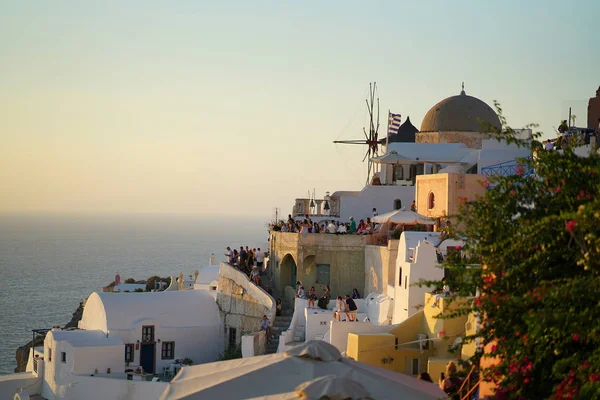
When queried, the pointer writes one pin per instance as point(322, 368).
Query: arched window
point(397, 204)
point(400, 278)
point(431, 201)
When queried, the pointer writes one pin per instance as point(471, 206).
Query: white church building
point(158, 328)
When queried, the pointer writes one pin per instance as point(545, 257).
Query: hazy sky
point(231, 107)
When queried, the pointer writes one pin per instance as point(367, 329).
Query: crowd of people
point(345, 305)
point(306, 225)
point(249, 261)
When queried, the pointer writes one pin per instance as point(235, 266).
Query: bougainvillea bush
point(532, 257)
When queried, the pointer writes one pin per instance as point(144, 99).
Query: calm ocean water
point(49, 263)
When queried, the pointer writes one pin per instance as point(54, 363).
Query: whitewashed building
point(76, 352)
point(158, 328)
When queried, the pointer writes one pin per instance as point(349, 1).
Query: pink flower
point(575, 337)
point(442, 333)
point(519, 171)
point(570, 226)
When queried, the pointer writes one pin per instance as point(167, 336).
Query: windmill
point(370, 139)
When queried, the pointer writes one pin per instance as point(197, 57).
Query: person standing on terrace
point(260, 258)
point(229, 255)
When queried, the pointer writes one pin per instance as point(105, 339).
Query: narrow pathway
point(281, 323)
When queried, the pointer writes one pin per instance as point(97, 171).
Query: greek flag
point(393, 124)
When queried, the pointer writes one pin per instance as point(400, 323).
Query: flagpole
point(387, 134)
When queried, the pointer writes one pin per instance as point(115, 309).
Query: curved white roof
point(176, 309)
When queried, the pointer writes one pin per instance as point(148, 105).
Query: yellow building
point(422, 343)
point(440, 195)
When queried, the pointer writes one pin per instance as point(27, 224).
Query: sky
point(230, 108)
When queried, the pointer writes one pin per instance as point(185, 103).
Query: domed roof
point(462, 113)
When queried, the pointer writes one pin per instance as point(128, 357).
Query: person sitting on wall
point(312, 297)
point(413, 206)
point(342, 229)
point(255, 275)
point(351, 309)
point(340, 308)
point(301, 293)
point(331, 228)
point(324, 300)
point(265, 325)
point(355, 294)
point(352, 225)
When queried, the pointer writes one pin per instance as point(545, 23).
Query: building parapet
point(242, 304)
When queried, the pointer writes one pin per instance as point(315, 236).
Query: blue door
point(147, 358)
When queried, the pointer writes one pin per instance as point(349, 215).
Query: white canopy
point(392, 157)
point(332, 387)
point(275, 376)
point(403, 217)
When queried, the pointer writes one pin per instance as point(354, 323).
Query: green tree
point(533, 257)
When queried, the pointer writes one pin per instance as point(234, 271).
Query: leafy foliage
point(231, 353)
point(533, 263)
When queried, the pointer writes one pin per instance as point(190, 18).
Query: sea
point(49, 263)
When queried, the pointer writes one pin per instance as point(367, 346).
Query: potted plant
point(187, 361)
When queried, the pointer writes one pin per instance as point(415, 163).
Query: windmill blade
point(365, 132)
point(355, 141)
point(378, 113)
point(367, 154)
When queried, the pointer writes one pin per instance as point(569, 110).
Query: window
point(129, 352)
point(397, 204)
point(431, 201)
point(168, 350)
point(49, 353)
point(63, 356)
point(232, 337)
point(400, 278)
point(398, 173)
point(147, 334)
point(412, 366)
point(405, 281)
point(323, 274)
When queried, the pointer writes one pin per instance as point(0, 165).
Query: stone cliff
point(23, 351)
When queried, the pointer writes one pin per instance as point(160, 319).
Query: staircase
point(282, 323)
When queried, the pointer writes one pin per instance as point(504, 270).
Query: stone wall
point(345, 255)
point(241, 303)
point(380, 268)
